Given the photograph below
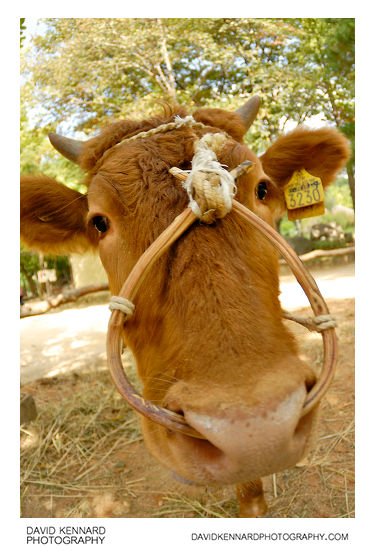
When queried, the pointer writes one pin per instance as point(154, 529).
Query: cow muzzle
point(243, 441)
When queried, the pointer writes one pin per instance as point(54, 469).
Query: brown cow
point(207, 333)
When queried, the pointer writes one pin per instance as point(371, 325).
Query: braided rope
point(178, 123)
point(316, 323)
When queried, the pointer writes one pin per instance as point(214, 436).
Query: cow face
point(207, 333)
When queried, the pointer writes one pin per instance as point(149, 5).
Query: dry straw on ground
point(84, 457)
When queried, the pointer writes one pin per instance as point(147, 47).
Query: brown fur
point(303, 148)
point(207, 332)
point(56, 217)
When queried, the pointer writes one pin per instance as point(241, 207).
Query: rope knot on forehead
point(209, 186)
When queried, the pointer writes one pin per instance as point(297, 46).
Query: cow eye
point(101, 223)
point(261, 190)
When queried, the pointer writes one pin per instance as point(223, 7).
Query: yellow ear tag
point(304, 195)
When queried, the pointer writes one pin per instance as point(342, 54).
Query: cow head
point(207, 334)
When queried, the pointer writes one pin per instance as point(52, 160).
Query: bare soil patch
point(83, 456)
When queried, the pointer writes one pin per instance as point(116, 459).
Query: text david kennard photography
point(65, 535)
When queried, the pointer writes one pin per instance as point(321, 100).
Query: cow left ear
point(53, 217)
point(322, 152)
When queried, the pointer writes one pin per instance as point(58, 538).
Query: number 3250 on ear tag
point(304, 195)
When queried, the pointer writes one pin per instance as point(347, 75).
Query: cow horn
point(68, 147)
point(248, 111)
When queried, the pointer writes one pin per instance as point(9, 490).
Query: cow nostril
point(171, 405)
point(310, 382)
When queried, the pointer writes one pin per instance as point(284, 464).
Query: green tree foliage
point(88, 70)
point(30, 265)
point(80, 73)
point(22, 30)
point(324, 57)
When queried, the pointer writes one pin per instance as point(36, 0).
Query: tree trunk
point(321, 253)
point(31, 283)
point(351, 181)
point(169, 78)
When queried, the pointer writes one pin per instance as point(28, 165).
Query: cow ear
point(53, 216)
point(321, 152)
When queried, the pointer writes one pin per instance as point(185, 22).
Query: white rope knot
point(209, 186)
point(316, 323)
point(123, 304)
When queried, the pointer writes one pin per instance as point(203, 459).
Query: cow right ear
point(322, 152)
point(53, 217)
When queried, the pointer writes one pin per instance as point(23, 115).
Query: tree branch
point(67, 296)
point(163, 46)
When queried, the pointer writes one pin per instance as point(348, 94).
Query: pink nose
point(246, 443)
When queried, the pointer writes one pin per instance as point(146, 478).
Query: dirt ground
point(83, 456)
